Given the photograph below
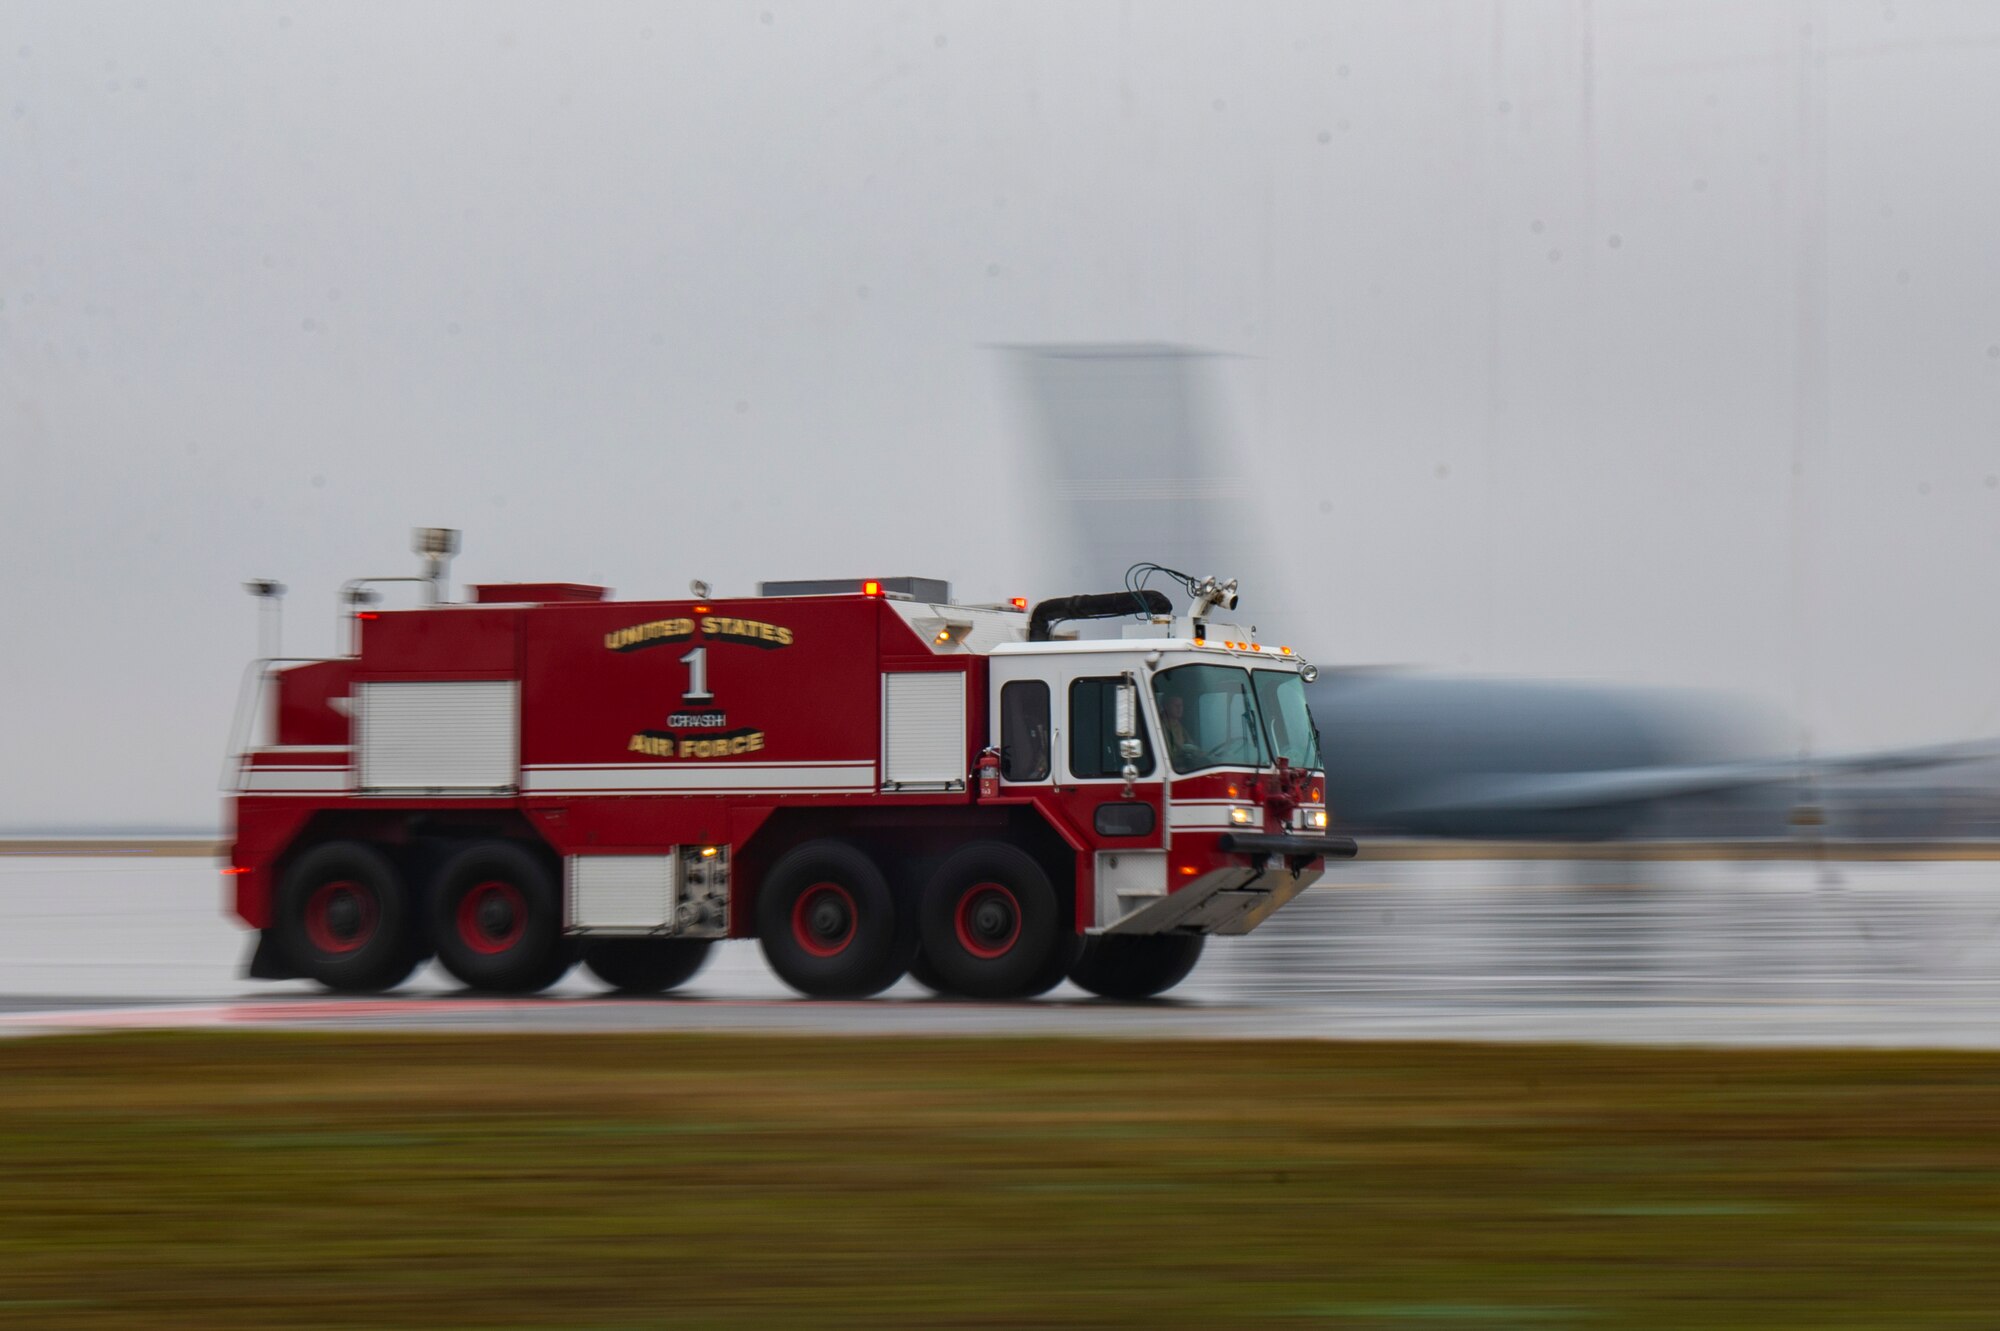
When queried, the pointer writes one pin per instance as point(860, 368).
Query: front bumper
point(1237, 898)
point(1295, 849)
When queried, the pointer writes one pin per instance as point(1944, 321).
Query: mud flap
point(268, 961)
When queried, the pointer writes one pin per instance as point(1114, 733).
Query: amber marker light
point(1019, 603)
point(701, 609)
point(708, 852)
point(1187, 871)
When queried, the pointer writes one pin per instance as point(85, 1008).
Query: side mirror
point(1126, 714)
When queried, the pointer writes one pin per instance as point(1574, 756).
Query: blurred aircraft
point(1137, 467)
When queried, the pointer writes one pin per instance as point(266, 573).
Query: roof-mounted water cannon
point(437, 545)
point(1212, 595)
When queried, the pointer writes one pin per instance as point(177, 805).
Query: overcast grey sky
point(1645, 341)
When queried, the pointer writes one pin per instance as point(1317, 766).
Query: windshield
point(1281, 696)
point(1208, 717)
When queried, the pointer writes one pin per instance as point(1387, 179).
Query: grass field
point(267, 1180)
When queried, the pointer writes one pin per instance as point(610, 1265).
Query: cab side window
point(1024, 730)
point(1093, 731)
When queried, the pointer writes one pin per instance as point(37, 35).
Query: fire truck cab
point(866, 777)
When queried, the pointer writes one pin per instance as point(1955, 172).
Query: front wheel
point(829, 924)
point(498, 920)
point(1135, 965)
point(646, 965)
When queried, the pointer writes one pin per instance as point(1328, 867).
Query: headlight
point(1240, 816)
point(1316, 819)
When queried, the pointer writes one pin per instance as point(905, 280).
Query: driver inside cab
point(1181, 744)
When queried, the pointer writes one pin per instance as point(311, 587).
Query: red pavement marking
point(307, 1011)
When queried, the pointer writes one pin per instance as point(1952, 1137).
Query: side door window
point(1093, 731)
point(1024, 730)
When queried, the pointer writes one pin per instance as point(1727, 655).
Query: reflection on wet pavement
point(1710, 952)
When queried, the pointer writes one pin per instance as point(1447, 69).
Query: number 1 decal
point(697, 663)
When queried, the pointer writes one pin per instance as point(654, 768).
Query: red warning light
point(871, 588)
point(368, 614)
point(1019, 603)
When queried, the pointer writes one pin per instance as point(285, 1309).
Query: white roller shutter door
point(449, 736)
point(923, 730)
point(622, 892)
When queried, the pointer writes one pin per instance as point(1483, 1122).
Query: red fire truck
point(867, 778)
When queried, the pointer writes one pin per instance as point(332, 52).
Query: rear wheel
point(498, 920)
point(343, 918)
point(926, 974)
point(646, 965)
point(829, 925)
point(992, 924)
point(1135, 965)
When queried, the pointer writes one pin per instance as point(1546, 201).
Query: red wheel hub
point(823, 919)
point(341, 916)
point(492, 916)
point(988, 920)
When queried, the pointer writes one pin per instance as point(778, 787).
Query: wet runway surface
point(1703, 953)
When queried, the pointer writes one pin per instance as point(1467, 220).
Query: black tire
point(343, 919)
point(1061, 960)
point(992, 923)
point(646, 965)
point(926, 974)
point(497, 917)
point(829, 925)
point(1135, 965)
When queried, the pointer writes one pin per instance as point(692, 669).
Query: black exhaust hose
point(1097, 605)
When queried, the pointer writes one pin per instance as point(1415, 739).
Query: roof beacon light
point(871, 588)
point(437, 545)
point(1019, 603)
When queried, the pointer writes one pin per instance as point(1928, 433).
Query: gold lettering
point(727, 746)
